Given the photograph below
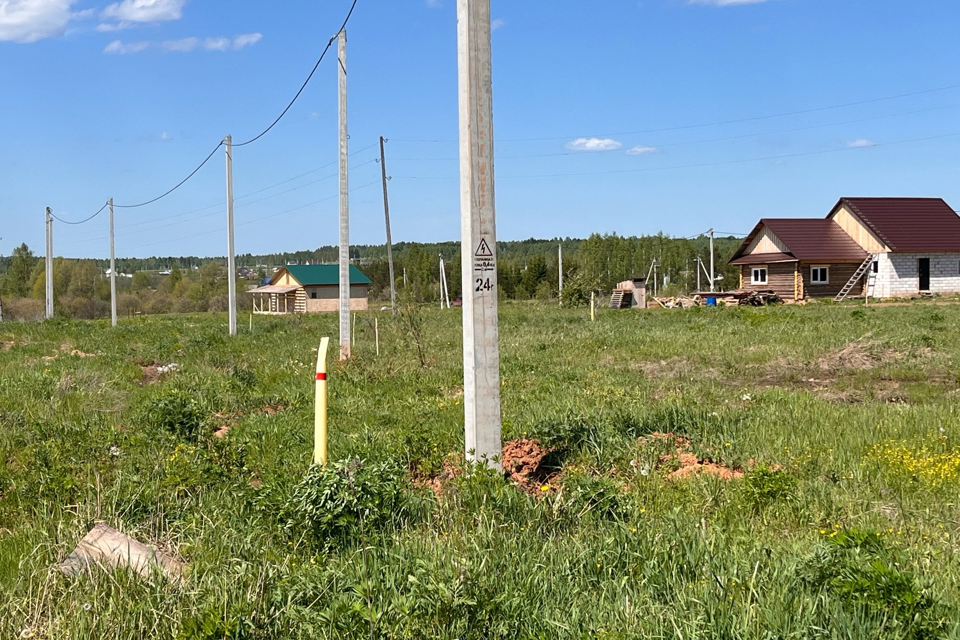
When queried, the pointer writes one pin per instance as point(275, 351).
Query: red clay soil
point(523, 464)
point(689, 464)
point(438, 484)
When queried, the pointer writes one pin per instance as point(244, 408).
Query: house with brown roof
point(881, 247)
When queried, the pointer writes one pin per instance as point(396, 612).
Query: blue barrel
point(711, 302)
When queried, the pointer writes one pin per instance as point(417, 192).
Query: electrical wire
point(260, 135)
point(180, 184)
point(721, 122)
point(694, 166)
point(305, 82)
point(55, 217)
point(658, 146)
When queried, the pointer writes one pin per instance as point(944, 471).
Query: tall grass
point(833, 532)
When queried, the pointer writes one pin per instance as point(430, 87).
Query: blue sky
point(611, 116)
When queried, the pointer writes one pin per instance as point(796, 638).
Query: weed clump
point(856, 567)
point(347, 499)
point(177, 412)
point(764, 487)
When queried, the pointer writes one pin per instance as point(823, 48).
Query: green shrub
point(347, 499)
point(177, 412)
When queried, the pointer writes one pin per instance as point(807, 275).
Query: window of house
point(313, 295)
point(820, 275)
point(759, 275)
point(876, 266)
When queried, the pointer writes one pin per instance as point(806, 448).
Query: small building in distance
point(309, 289)
point(881, 247)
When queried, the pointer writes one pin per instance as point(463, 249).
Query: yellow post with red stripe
point(320, 417)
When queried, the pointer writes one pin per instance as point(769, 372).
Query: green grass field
point(839, 424)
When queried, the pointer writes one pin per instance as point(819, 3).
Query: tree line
point(526, 269)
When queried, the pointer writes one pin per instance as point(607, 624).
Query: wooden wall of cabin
point(781, 278)
point(839, 274)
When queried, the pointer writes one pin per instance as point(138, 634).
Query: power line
point(55, 217)
point(721, 122)
point(254, 139)
point(656, 145)
point(180, 184)
point(305, 82)
point(697, 165)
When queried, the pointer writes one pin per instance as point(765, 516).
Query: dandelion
point(545, 488)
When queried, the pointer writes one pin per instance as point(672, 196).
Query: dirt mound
point(690, 465)
point(525, 463)
point(684, 462)
point(856, 355)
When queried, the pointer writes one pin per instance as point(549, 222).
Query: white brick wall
point(899, 274)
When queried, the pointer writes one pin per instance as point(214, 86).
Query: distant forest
point(527, 269)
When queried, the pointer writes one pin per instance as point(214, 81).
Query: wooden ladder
point(617, 299)
point(855, 278)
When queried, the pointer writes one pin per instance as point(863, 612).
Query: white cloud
point(496, 24)
point(434, 4)
point(861, 144)
point(118, 47)
point(594, 144)
point(32, 20)
point(183, 45)
point(246, 40)
point(166, 136)
point(216, 44)
point(641, 150)
point(130, 11)
point(726, 3)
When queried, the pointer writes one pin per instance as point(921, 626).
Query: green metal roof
point(324, 274)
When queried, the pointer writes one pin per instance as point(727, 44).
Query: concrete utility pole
point(48, 275)
point(231, 259)
point(444, 287)
point(560, 269)
point(713, 277)
point(113, 272)
point(386, 214)
point(344, 200)
point(481, 350)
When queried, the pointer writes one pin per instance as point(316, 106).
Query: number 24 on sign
point(483, 284)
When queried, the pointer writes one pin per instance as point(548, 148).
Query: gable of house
point(902, 225)
point(799, 239)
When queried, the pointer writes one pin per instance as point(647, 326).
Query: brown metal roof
point(908, 224)
point(763, 258)
point(807, 239)
point(816, 239)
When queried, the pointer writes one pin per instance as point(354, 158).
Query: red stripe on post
point(321, 376)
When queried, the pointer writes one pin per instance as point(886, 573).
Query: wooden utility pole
point(344, 200)
point(48, 274)
point(113, 272)
point(713, 276)
point(231, 259)
point(386, 214)
point(481, 350)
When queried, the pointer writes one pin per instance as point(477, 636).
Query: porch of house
point(273, 300)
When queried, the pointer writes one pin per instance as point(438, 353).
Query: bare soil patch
point(684, 462)
point(526, 463)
